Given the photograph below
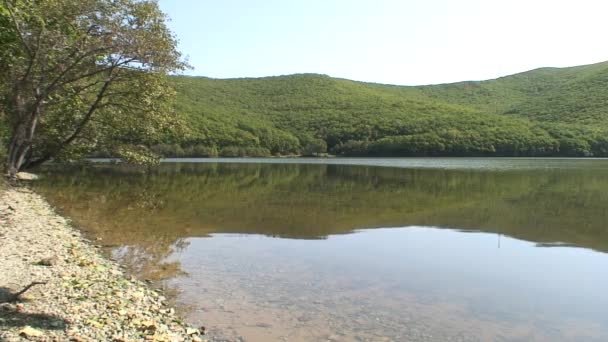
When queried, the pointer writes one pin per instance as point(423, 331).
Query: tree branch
point(33, 57)
point(110, 67)
point(15, 297)
point(89, 113)
point(74, 50)
point(16, 25)
point(77, 131)
point(56, 82)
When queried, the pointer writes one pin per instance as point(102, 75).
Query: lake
point(406, 249)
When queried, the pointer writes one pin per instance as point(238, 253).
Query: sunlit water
point(418, 250)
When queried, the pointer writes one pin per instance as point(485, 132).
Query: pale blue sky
point(387, 41)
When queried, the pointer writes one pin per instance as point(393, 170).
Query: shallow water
point(446, 249)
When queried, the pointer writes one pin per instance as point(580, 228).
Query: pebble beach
point(75, 293)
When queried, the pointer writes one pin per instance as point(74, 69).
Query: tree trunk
point(23, 135)
point(16, 151)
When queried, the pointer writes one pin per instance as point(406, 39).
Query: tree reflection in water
point(148, 216)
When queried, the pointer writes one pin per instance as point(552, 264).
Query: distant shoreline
point(179, 159)
point(439, 163)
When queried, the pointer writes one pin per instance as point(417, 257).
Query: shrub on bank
point(168, 150)
point(236, 151)
point(201, 151)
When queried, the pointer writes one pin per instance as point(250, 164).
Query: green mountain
point(543, 112)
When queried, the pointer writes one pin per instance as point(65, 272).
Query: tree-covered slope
point(543, 112)
point(575, 95)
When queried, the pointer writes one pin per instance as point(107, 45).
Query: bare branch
point(15, 297)
point(18, 294)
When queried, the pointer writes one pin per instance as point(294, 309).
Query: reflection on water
point(209, 231)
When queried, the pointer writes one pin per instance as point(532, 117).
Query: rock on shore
point(85, 297)
point(26, 176)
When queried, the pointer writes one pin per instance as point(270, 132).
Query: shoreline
point(85, 296)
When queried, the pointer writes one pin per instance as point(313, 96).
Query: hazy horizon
point(390, 84)
point(387, 41)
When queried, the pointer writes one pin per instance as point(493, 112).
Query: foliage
point(312, 146)
point(351, 148)
point(85, 75)
point(237, 151)
point(545, 112)
point(200, 151)
point(177, 151)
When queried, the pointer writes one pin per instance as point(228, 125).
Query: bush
point(314, 147)
point(352, 148)
point(168, 150)
point(236, 151)
point(201, 151)
point(573, 147)
point(257, 152)
point(426, 144)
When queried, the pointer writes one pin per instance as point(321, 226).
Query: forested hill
point(543, 112)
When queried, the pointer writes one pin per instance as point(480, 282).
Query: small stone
point(26, 176)
point(51, 261)
point(138, 295)
point(28, 297)
point(148, 325)
point(56, 324)
point(30, 332)
point(192, 331)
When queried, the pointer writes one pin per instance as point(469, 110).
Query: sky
point(406, 42)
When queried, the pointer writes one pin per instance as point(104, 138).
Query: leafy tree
point(84, 75)
point(352, 148)
point(313, 146)
point(200, 151)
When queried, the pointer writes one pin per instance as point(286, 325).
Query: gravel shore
point(84, 296)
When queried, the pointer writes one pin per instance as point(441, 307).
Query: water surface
point(449, 249)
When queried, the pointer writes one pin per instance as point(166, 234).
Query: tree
point(313, 147)
point(84, 75)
